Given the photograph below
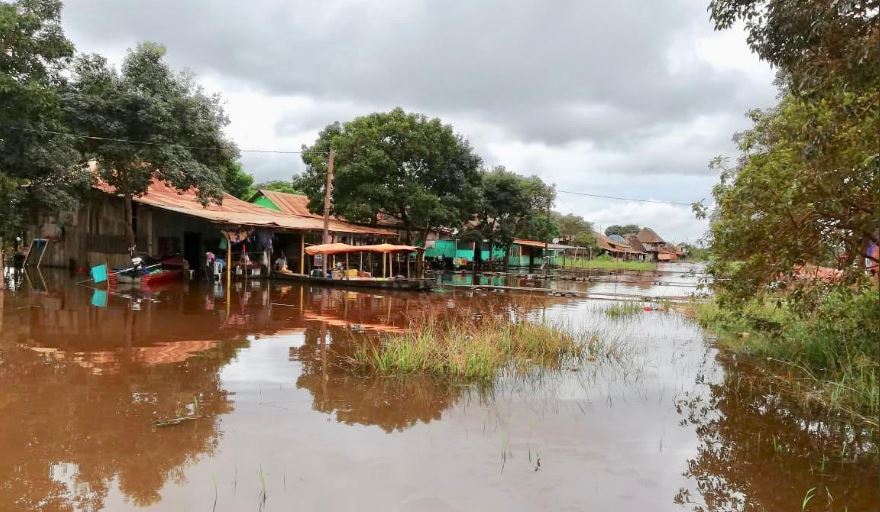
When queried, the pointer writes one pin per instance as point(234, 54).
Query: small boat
point(421, 285)
point(169, 269)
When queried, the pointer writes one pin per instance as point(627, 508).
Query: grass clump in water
point(474, 349)
point(623, 309)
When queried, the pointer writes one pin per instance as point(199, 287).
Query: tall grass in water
point(478, 349)
point(831, 357)
point(623, 309)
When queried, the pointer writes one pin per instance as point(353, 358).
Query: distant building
point(617, 247)
point(657, 248)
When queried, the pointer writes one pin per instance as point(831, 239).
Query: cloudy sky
point(624, 98)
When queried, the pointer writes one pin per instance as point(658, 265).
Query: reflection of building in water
point(99, 427)
point(737, 469)
point(82, 387)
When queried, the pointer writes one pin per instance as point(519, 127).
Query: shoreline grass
point(479, 350)
point(830, 358)
point(608, 264)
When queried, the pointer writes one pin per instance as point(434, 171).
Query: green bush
point(836, 346)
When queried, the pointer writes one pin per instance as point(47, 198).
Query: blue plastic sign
point(99, 273)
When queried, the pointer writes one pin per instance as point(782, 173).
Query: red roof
point(234, 211)
point(296, 204)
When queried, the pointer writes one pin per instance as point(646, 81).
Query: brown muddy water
point(282, 422)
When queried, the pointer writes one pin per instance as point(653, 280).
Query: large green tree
point(806, 188)
point(36, 158)
point(510, 205)
point(818, 45)
point(147, 122)
point(398, 164)
point(792, 199)
point(574, 228)
point(626, 229)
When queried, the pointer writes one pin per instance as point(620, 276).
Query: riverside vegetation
point(829, 356)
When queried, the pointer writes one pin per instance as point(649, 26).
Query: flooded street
point(276, 418)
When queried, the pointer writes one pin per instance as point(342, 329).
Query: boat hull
point(416, 285)
point(149, 279)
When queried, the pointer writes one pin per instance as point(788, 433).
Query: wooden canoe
point(418, 285)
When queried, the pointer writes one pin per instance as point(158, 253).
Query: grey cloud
point(584, 93)
point(531, 66)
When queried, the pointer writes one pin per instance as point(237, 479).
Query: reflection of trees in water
point(392, 404)
point(54, 413)
point(388, 402)
point(761, 452)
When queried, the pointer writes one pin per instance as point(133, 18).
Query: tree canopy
point(574, 229)
point(288, 187)
point(151, 123)
point(806, 188)
point(398, 164)
point(237, 181)
point(36, 158)
point(507, 207)
point(816, 44)
point(626, 229)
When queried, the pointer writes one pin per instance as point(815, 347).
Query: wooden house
point(169, 222)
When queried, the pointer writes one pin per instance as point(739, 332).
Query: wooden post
point(228, 263)
point(302, 252)
point(228, 277)
point(328, 191)
point(384, 272)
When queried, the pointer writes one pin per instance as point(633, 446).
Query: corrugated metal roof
point(234, 211)
point(298, 204)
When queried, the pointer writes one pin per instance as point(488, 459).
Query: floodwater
point(282, 422)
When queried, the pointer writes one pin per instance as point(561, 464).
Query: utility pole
point(328, 190)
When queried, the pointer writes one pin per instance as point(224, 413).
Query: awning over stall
point(348, 249)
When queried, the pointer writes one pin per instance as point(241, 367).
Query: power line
point(151, 143)
point(625, 198)
point(290, 152)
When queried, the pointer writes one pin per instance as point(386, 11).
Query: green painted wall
point(450, 249)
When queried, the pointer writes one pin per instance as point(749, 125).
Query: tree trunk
point(129, 229)
point(478, 255)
